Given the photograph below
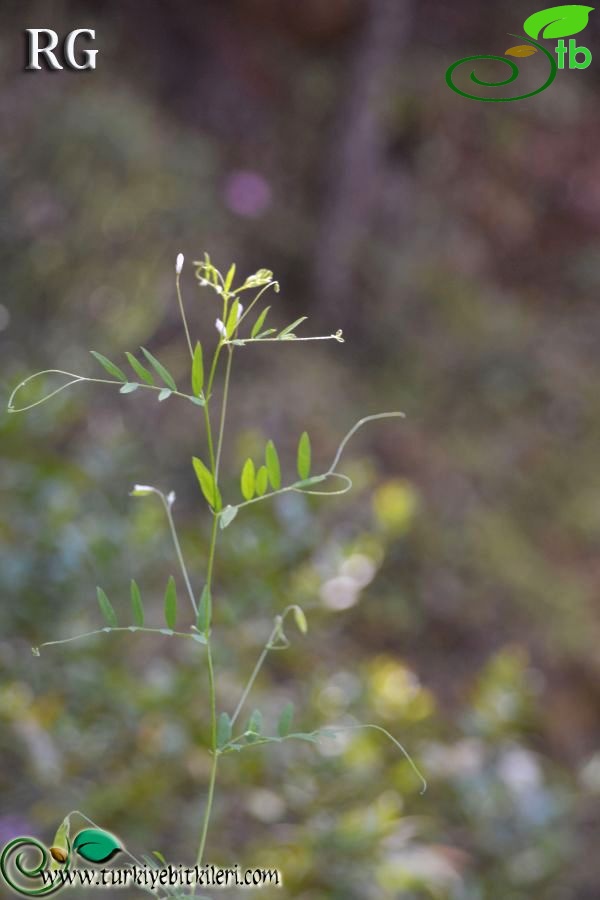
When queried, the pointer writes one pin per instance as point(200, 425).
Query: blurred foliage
point(453, 596)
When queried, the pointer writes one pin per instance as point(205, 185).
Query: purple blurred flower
point(12, 826)
point(247, 193)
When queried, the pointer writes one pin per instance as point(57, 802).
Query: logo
point(30, 868)
point(556, 22)
point(42, 42)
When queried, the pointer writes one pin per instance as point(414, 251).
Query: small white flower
point(141, 490)
point(171, 498)
point(221, 327)
point(203, 282)
point(218, 289)
point(179, 263)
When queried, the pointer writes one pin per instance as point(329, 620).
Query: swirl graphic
point(514, 74)
point(19, 848)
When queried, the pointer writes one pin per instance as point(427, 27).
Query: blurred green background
point(453, 596)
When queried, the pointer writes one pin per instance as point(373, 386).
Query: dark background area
point(453, 596)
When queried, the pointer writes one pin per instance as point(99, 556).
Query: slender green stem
point(253, 676)
point(248, 310)
point(109, 629)
point(213, 368)
point(322, 337)
point(179, 553)
point(214, 462)
point(183, 316)
point(77, 379)
point(275, 633)
point(215, 756)
point(223, 412)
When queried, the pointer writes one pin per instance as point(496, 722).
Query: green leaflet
point(140, 370)
point(289, 329)
point(260, 322)
point(232, 319)
point(255, 722)
point(229, 278)
point(137, 607)
point(171, 604)
point(109, 366)
point(197, 371)
point(285, 720)
point(207, 484)
point(223, 730)
point(262, 481)
point(304, 456)
point(160, 369)
point(273, 467)
point(106, 608)
point(248, 480)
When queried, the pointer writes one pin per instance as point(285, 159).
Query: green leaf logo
point(557, 21)
point(96, 846)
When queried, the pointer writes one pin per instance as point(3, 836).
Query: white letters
point(35, 51)
point(88, 55)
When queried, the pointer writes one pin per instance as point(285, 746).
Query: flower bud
point(179, 263)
